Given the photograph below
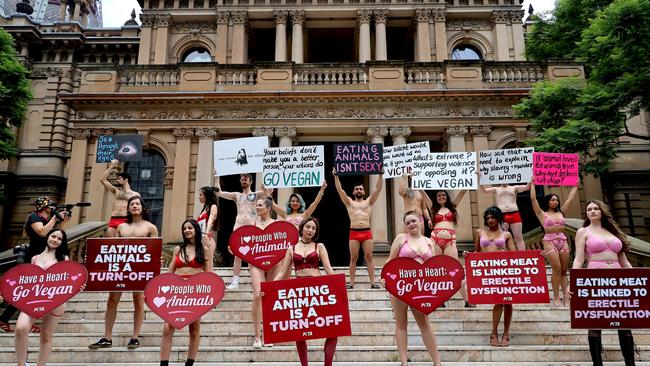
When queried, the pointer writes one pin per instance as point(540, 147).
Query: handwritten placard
point(554, 169)
point(506, 166)
point(398, 158)
point(358, 159)
point(296, 166)
point(237, 156)
point(449, 171)
point(120, 147)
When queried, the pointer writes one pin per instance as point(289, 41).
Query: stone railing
point(512, 72)
point(365, 2)
point(306, 74)
point(424, 74)
point(229, 76)
point(149, 75)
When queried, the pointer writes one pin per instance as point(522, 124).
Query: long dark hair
point(547, 199)
point(62, 251)
point(210, 194)
point(145, 214)
point(198, 244)
point(305, 221)
point(608, 223)
point(435, 207)
point(495, 212)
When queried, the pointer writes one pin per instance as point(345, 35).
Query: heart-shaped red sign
point(36, 291)
point(180, 301)
point(423, 286)
point(263, 248)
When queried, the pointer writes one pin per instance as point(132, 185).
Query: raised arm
point(580, 242)
point(403, 185)
point(285, 266)
point(459, 197)
point(569, 200)
point(325, 259)
point(523, 188)
point(310, 210)
point(228, 195)
point(337, 183)
point(536, 208)
point(375, 194)
point(104, 178)
point(482, 189)
point(214, 211)
point(279, 210)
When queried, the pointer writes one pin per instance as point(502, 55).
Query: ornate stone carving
point(516, 16)
point(285, 132)
point(403, 131)
point(163, 20)
point(377, 131)
point(364, 15)
point(468, 24)
point(422, 15)
point(206, 133)
point(79, 133)
point(499, 16)
point(87, 171)
point(193, 174)
point(456, 131)
point(263, 131)
point(194, 27)
point(222, 17)
point(297, 16)
point(280, 16)
point(183, 133)
point(439, 15)
point(66, 28)
point(520, 135)
point(147, 20)
point(381, 15)
point(45, 72)
point(239, 17)
point(169, 178)
point(102, 132)
point(480, 130)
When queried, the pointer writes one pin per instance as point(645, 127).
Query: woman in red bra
point(192, 256)
point(443, 229)
point(493, 239)
point(603, 245)
point(556, 246)
point(414, 245)
point(305, 256)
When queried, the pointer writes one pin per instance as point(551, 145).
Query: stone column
point(62, 10)
point(363, 16)
point(500, 18)
point(378, 219)
point(423, 38)
point(204, 163)
point(518, 34)
point(297, 20)
point(440, 33)
point(381, 50)
point(286, 135)
point(181, 183)
point(77, 168)
point(146, 33)
point(480, 136)
point(222, 37)
point(280, 17)
point(162, 34)
point(239, 44)
point(77, 10)
point(269, 132)
point(456, 143)
point(399, 135)
point(96, 191)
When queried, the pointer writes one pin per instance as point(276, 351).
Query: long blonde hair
point(608, 223)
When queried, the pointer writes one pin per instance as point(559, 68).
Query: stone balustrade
point(227, 76)
point(305, 74)
point(431, 74)
point(518, 72)
point(365, 2)
point(135, 76)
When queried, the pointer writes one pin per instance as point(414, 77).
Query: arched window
point(148, 179)
point(465, 52)
point(197, 54)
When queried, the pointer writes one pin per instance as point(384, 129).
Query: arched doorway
point(148, 177)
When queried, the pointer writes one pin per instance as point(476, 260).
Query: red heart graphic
point(180, 301)
point(266, 247)
point(423, 286)
point(36, 291)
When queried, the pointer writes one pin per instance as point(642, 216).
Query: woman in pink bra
point(192, 256)
point(493, 239)
point(443, 229)
point(295, 211)
point(556, 247)
point(603, 245)
point(305, 256)
point(412, 244)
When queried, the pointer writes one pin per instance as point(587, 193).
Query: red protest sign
point(122, 264)
point(36, 291)
point(423, 286)
point(263, 248)
point(305, 308)
point(615, 298)
point(180, 301)
point(517, 277)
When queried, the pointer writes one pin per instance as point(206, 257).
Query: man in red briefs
point(122, 191)
point(360, 234)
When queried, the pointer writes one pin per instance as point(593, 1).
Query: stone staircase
point(540, 335)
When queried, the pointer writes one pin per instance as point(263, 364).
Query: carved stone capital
point(499, 16)
point(80, 133)
point(285, 132)
point(239, 17)
point(206, 133)
point(403, 131)
point(183, 133)
point(456, 131)
point(222, 17)
point(163, 20)
point(439, 15)
point(520, 135)
point(381, 15)
point(516, 16)
point(364, 15)
point(280, 16)
point(422, 15)
point(263, 131)
point(147, 19)
point(96, 132)
point(377, 131)
point(480, 130)
point(297, 16)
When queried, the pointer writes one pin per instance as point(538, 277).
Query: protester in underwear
point(415, 200)
point(602, 243)
point(416, 246)
point(192, 256)
point(263, 208)
point(207, 219)
point(443, 230)
point(295, 211)
point(556, 247)
point(305, 256)
point(360, 234)
point(493, 239)
point(136, 226)
point(245, 215)
point(506, 199)
point(56, 250)
point(122, 191)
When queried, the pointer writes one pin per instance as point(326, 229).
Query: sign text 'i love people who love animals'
point(263, 248)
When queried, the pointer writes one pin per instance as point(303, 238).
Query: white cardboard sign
point(398, 158)
point(444, 171)
point(237, 156)
point(294, 166)
point(506, 166)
